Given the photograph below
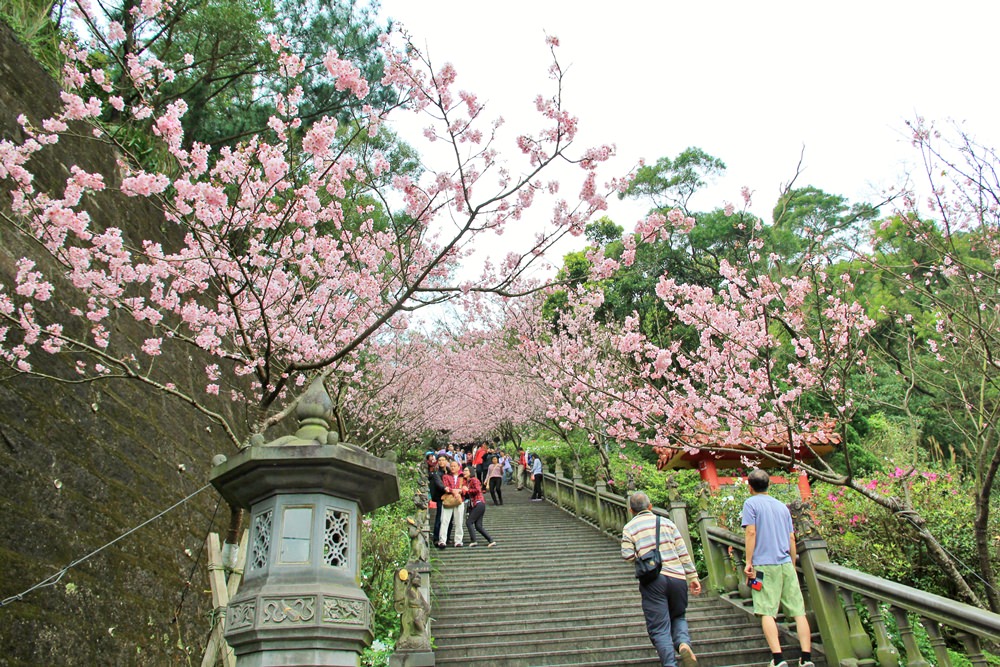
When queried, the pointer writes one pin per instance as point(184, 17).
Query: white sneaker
point(783, 663)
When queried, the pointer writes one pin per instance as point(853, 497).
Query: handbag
point(450, 500)
point(647, 567)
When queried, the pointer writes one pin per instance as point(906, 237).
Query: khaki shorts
point(778, 586)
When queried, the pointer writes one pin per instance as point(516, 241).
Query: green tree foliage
point(349, 26)
point(806, 217)
point(32, 22)
point(229, 84)
point(693, 258)
point(603, 232)
point(670, 183)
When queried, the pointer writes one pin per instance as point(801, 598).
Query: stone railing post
point(577, 481)
point(601, 488)
point(831, 620)
point(679, 515)
point(559, 477)
point(715, 557)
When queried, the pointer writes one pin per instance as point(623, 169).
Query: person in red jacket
point(478, 458)
point(522, 469)
point(473, 490)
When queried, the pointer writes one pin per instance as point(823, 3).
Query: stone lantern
point(300, 602)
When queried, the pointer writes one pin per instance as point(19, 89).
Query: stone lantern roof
point(311, 460)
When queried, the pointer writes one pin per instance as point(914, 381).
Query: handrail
point(605, 510)
point(726, 537)
point(834, 592)
point(938, 608)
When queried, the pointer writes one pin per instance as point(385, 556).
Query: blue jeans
point(664, 603)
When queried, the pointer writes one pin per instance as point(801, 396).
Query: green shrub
point(31, 21)
point(378, 654)
point(384, 549)
point(870, 538)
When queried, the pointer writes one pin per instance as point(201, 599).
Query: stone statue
point(803, 520)
point(703, 497)
point(418, 539)
point(673, 490)
point(420, 501)
point(415, 632)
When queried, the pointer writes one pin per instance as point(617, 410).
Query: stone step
point(599, 593)
point(517, 605)
point(639, 652)
point(515, 557)
point(585, 586)
point(538, 596)
point(555, 650)
point(512, 590)
point(471, 613)
point(448, 576)
point(586, 628)
point(557, 534)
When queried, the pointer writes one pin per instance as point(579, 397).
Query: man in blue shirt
point(770, 550)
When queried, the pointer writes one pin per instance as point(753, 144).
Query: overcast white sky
point(752, 83)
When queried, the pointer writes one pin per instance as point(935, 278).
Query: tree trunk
point(235, 525)
point(941, 557)
point(981, 528)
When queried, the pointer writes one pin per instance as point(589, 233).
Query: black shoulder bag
point(647, 567)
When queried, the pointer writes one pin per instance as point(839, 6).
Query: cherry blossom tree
point(467, 385)
point(288, 253)
point(748, 362)
point(765, 365)
point(939, 258)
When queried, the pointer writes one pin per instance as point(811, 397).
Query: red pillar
point(805, 492)
point(708, 474)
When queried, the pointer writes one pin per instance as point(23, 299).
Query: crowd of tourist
point(458, 478)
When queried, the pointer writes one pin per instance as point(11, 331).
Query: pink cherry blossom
point(276, 262)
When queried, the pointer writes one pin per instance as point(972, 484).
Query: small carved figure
point(420, 501)
point(409, 600)
point(703, 497)
point(673, 492)
point(418, 539)
point(803, 520)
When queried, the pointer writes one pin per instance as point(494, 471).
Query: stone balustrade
point(835, 595)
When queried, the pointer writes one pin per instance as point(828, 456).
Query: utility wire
point(196, 560)
point(55, 578)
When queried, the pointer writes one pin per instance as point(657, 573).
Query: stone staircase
point(555, 591)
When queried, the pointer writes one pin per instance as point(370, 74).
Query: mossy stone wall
point(82, 463)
